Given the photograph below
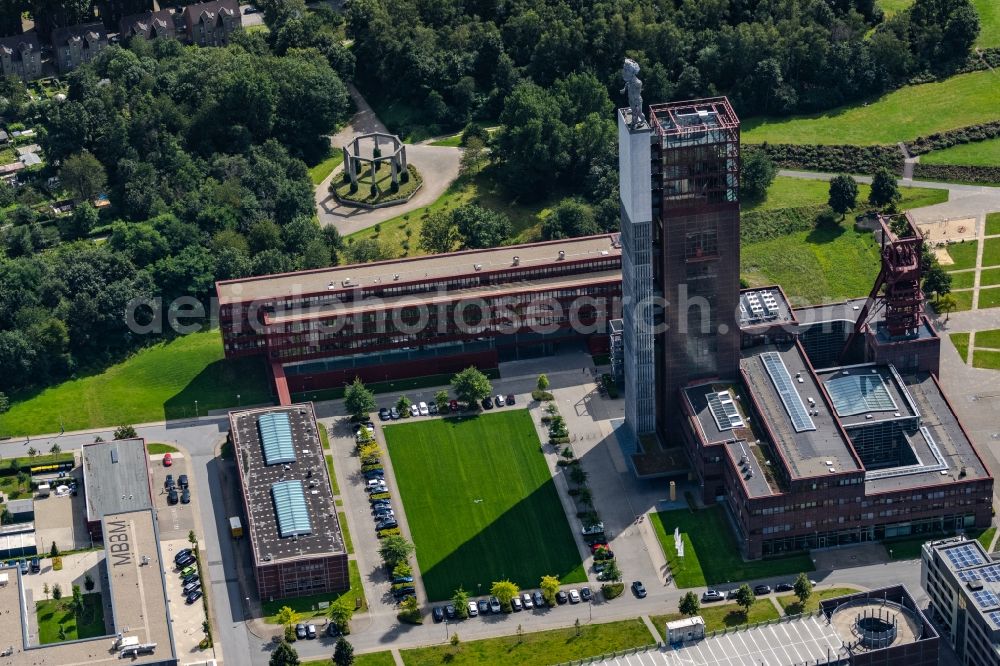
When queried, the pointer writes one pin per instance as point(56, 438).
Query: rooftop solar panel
point(276, 438)
point(290, 506)
point(986, 599)
point(964, 556)
point(857, 394)
point(724, 411)
point(790, 398)
point(995, 618)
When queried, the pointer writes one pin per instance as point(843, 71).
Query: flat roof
point(978, 574)
point(867, 393)
point(138, 601)
point(429, 267)
point(116, 477)
point(309, 469)
point(764, 306)
point(808, 453)
point(844, 311)
point(752, 473)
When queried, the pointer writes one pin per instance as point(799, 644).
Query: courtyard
point(481, 503)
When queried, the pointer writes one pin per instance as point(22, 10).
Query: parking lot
point(62, 519)
point(175, 520)
point(187, 618)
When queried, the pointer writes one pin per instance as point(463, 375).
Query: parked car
point(332, 630)
point(168, 482)
point(574, 597)
point(561, 597)
point(638, 589)
point(438, 614)
point(585, 593)
point(526, 601)
point(186, 496)
point(188, 570)
point(784, 587)
point(172, 496)
point(433, 409)
point(249, 9)
point(762, 589)
point(383, 414)
point(422, 408)
point(404, 591)
point(453, 405)
point(190, 578)
point(393, 413)
point(36, 565)
point(494, 605)
point(300, 631)
point(377, 487)
point(381, 502)
point(597, 545)
point(387, 524)
point(731, 594)
point(538, 599)
point(183, 552)
point(23, 564)
point(712, 595)
point(510, 398)
point(592, 530)
point(182, 481)
point(185, 561)
point(382, 516)
point(194, 596)
point(487, 403)
point(604, 554)
point(168, 460)
point(498, 400)
point(402, 579)
point(191, 587)
point(414, 410)
point(374, 474)
point(473, 609)
point(449, 610)
point(484, 607)
point(516, 604)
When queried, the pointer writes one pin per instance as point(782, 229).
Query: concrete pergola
point(353, 159)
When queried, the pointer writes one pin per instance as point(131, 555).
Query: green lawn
point(989, 298)
point(348, 543)
point(891, 7)
point(986, 538)
point(319, 172)
point(792, 606)
point(986, 359)
point(156, 448)
point(725, 616)
point(963, 300)
point(481, 503)
point(53, 614)
point(963, 254)
point(788, 192)
point(304, 607)
point(963, 280)
point(368, 659)
point(989, 277)
point(991, 252)
point(989, 23)
point(902, 115)
point(993, 219)
point(536, 649)
point(978, 153)
point(453, 141)
point(711, 555)
point(961, 342)
point(989, 339)
point(161, 382)
point(823, 265)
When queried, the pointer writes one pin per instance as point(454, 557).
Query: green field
point(978, 153)
point(790, 603)
point(991, 252)
point(963, 300)
point(789, 192)
point(989, 339)
point(989, 23)
point(961, 342)
point(453, 141)
point(54, 614)
point(711, 554)
point(159, 383)
point(481, 503)
point(725, 616)
point(989, 298)
point(348, 542)
point(963, 254)
point(993, 223)
point(305, 607)
point(963, 280)
point(536, 649)
point(982, 358)
point(989, 277)
point(319, 172)
point(902, 115)
point(820, 266)
point(367, 659)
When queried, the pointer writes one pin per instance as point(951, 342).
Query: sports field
point(902, 115)
point(481, 503)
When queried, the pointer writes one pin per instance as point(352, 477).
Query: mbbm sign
point(118, 543)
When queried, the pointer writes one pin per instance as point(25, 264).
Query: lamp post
point(196, 409)
point(239, 403)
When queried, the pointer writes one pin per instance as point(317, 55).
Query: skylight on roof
point(860, 394)
point(291, 509)
point(276, 438)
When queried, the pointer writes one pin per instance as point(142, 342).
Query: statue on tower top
point(634, 88)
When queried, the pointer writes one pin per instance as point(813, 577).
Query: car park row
point(187, 567)
point(524, 602)
point(431, 409)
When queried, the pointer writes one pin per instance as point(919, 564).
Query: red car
point(454, 405)
point(167, 460)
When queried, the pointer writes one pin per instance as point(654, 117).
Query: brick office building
point(426, 315)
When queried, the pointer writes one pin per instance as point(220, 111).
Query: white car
point(473, 609)
point(422, 408)
point(574, 597)
point(526, 600)
point(414, 410)
point(498, 400)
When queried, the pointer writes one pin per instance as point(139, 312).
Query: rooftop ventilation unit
point(346, 282)
point(517, 260)
point(562, 254)
point(331, 286)
point(395, 276)
point(478, 267)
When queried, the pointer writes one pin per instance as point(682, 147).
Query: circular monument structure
point(376, 173)
point(874, 624)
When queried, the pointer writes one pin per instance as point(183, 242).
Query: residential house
point(211, 23)
point(21, 56)
point(78, 44)
point(113, 12)
point(148, 25)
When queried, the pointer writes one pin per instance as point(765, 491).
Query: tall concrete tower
point(685, 183)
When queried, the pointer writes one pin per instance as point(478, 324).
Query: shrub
point(844, 158)
point(612, 590)
point(57, 564)
point(941, 140)
point(970, 174)
point(541, 396)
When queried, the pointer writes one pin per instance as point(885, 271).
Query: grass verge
point(977, 153)
point(989, 298)
point(989, 339)
point(320, 172)
point(993, 219)
point(726, 615)
point(159, 383)
point(789, 192)
point(367, 659)
point(989, 23)
point(53, 615)
point(345, 530)
point(538, 648)
point(961, 342)
point(481, 503)
point(710, 552)
point(790, 603)
point(306, 607)
point(156, 448)
point(989, 360)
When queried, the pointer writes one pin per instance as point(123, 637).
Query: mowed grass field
point(157, 383)
point(789, 192)
point(901, 115)
point(989, 23)
point(979, 153)
point(481, 503)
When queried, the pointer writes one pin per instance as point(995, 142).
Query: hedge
point(834, 158)
point(968, 174)
point(942, 140)
point(760, 225)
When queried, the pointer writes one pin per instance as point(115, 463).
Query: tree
point(439, 234)
point(82, 221)
point(885, 190)
point(394, 549)
point(482, 227)
point(284, 655)
point(83, 175)
point(286, 616)
point(57, 592)
point(403, 405)
point(543, 382)
point(946, 304)
point(359, 400)
point(471, 386)
point(455, 639)
point(4, 402)
point(402, 569)
point(440, 399)
point(45, 590)
point(504, 591)
point(843, 195)
point(745, 598)
point(77, 601)
point(549, 587)
point(612, 571)
point(472, 156)
point(340, 614)
point(55, 448)
point(88, 583)
point(460, 599)
point(757, 174)
point(570, 219)
point(54, 550)
point(937, 281)
point(343, 653)
point(32, 452)
point(125, 432)
point(689, 604)
point(803, 588)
